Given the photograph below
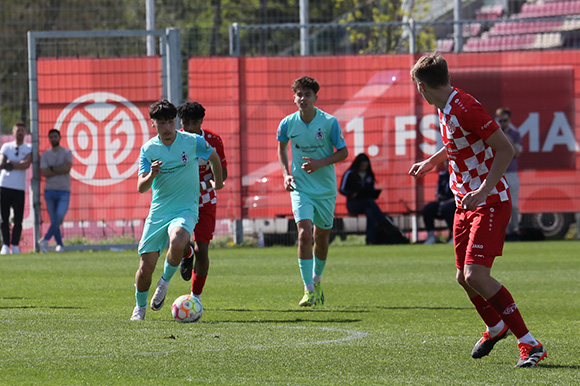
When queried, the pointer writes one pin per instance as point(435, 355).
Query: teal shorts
point(157, 229)
point(320, 210)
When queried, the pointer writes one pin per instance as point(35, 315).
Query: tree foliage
point(204, 29)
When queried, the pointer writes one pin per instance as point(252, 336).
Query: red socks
point(197, 283)
point(486, 311)
point(504, 304)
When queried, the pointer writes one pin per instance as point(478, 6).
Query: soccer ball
point(186, 309)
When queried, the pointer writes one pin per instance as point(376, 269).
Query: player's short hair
point(54, 131)
point(432, 70)
point(306, 82)
point(20, 124)
point(190, 111)
point(502, 111)
point(162, 110)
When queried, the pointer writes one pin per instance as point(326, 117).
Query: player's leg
point(178, 239)
point(303, 210)
point(305, 261)
point(489, 224)
point(492, 319)
point(323, 221)
point(143, 278)
point(153, 240)
point(200, 269)
point(203, 235)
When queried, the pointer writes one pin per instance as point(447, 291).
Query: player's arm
point(289, 183)
point(504, 153)
point(216, 168)
point(24, 163)
point(311, 165)
point(145, 180)
point(420, 169)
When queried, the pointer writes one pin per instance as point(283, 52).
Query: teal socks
point(318, 266)
point(306, 270)
point(168, 271)
point(141, 298)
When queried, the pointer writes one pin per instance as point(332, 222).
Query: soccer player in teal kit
point(168, 166)
point(311, 180)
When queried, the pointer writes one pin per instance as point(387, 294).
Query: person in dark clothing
point(442, 208)
point(358, 185)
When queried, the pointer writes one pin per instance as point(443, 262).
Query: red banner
point(100, 107)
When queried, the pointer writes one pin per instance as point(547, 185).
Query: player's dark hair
point(306, 82)
point(432, 70)
point(20, 124)
point(362, 157)
point(190, 111)
point(54, 131)
point(162, 110)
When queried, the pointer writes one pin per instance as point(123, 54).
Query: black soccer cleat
point(484, 346)
point(186, 267)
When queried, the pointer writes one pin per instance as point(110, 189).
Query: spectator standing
point(503, 116)
point(55, 165)
point(15, 158)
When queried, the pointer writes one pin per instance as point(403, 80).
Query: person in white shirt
point(15, 158)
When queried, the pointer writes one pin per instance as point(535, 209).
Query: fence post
point(33, 105)
point(174, 65)
point(411, 27)
point(235, 39)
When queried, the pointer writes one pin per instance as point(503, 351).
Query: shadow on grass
point(41, 308)
point(286, 321)
point(548, 366)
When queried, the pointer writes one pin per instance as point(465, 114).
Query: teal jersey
point(176, 187)
point(316, 140)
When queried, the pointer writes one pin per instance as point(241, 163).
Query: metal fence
point(283, 40)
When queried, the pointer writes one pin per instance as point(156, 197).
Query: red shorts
point(205, 227)
point(479, 234)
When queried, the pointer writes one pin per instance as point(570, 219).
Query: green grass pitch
point(394, 316)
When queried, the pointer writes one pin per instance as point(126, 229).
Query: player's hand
point(289, 183)
point(472, 199)
point(216, 185)
point(155, 167)
point(419, 169)
point(311, 165)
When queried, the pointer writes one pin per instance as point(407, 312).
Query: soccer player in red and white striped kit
point(191, 115)
point(479, 154)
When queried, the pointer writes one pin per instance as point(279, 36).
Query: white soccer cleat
point(158, 298)
point(59, 248)
point(5, 250)
point(138, 313)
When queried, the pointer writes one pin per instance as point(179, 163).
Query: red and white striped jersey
point(465, 125)
point(207, 195)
